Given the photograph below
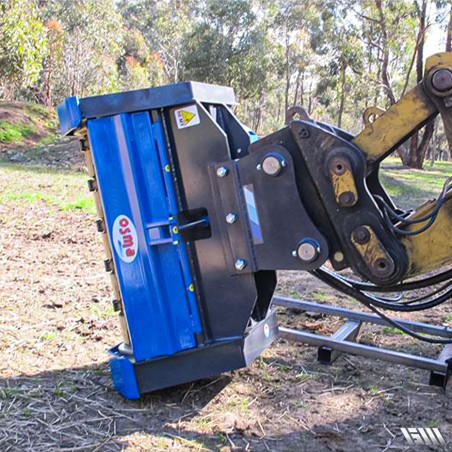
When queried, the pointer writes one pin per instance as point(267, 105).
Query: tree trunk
point(385, 63)
point(419, 147)
point(449, 33)
point(286, 93)
point(278, 97)
point(342, 95)
point(297, 88)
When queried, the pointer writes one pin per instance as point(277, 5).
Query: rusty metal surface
point(391, 129)
point(432, 248)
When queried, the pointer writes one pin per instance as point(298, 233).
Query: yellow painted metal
point(371, 114)
point(442, 99)
point(373, 252)
point(391, 128)
point(344, 183)
point(437, 61)
point(431, 249)
point(124, 328)
point(413, 110)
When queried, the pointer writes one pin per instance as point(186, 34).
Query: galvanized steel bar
point(360, 316)
point(364, 350)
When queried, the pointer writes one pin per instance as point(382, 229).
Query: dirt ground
point(56, 324)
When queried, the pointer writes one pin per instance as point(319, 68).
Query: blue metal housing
point(155, 286)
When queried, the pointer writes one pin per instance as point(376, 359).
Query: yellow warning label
point(187, 116)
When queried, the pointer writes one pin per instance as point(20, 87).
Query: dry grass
point(56, 324)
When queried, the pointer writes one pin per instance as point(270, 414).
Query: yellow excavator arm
point(432, 248)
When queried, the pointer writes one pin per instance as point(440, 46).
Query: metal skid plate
point(133, 379)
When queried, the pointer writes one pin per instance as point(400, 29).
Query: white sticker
point(187, 117)
point(125, 239)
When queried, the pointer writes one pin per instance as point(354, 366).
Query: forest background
point(336, 58)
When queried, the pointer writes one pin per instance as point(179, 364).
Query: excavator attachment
point(197, 214)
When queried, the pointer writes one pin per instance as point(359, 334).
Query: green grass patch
point(410, 187)
point(40, 109)
point(320, 295)
point(392, 330)
point(434, 423)
point(56, 189)
point(48, 139)
point(15, 133)
point(49, 336)
point(373, 390)
point(84, 203)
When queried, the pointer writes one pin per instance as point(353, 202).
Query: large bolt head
point(347, 199)
point(361, 235)
point(383, 267)
point(222, 171)
point(272, 165)
point(442, 80)
point(338, 165)
point(231, 218)
point(240, 264)
point(308, 250)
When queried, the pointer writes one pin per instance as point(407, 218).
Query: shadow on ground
point(77, 409)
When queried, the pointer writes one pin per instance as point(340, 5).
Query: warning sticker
point(187, 117)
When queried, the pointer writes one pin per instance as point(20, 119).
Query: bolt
point(92, 186)
point(294, 253)
point(383, 267)
point(347, 199)
point(240, 264)
point(272, 164)
point(338, 165)
point(116, 305)
point(231, 218)
point(308, 250)
point(83, 144)
point(338, 256)
point(259, 167)
point(361, 235)
point(442, 80)
point(100, 226)
point(222, 171)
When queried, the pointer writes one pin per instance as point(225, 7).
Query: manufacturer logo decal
point(253, 215)
point(423, 436)
point(125, 239)
point(187, 117)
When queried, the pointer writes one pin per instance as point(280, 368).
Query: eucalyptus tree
point(22, 45)
point(92, 34)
